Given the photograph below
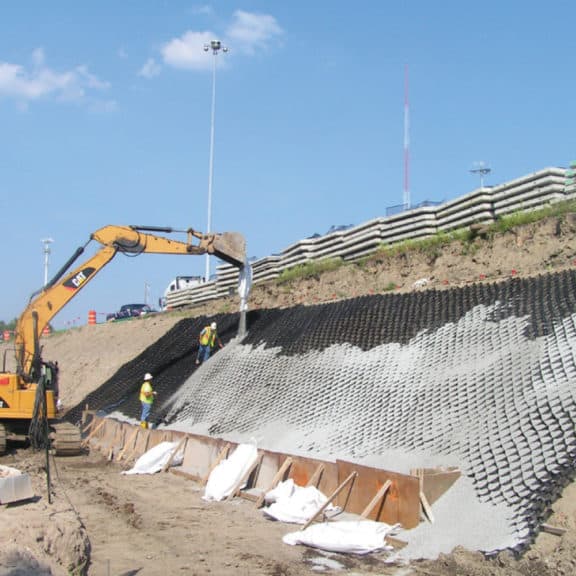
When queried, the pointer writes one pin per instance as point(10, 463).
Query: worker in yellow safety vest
point(206, 342)
point(147, 395)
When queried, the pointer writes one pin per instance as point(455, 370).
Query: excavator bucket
point(230, 247)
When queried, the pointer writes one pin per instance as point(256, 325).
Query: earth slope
point(88, 356)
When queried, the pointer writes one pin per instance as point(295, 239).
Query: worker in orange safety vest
point(207, 340)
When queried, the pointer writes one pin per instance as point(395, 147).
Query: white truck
point(179, 283)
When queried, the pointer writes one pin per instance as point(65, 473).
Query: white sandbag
point(156, 458)
point(352, 537)
point(282, 490)
point(225, 477)
point(295, 504)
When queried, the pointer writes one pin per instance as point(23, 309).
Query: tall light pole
point(46, 251)
point(216, 46)
point(146, 292)
point(482, 170)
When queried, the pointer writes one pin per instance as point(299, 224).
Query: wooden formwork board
point(156, 437)
point(88, 422)
point(130, 443)
point(400, 504)
point(140, 444)
point(436, 481)
point(200, 454)
point(102, 434)
point(281, 473)
point(303, 469)
point(118, 437)
point(269, 466)
point(402, 500)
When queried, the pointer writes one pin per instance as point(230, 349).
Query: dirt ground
point(103, 523)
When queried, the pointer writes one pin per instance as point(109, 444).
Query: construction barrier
point(92, 317)
point(46, 330)
point(6, 335)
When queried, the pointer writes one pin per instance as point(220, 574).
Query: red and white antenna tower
point(406, 142)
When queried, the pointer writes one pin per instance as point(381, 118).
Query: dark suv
point(130, 311)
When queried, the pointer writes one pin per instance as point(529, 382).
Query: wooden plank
point(179, 447)
point(93, 432)
point(248, 495)
point(315, 478)
point(332, 496)
point(395, 542)
point(89, 425)
point(245, 477)
point(402, 502)
point(436, 481)
point(222, 456)
point(200, 454)
point(140, 444)
point(118, 441)
point(303, 472)
point(277, 478)
point(379, 495)
point(556, 530)
point(426, 507)
point(185, 474)
point(130, 440)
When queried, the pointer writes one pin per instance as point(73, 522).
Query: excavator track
point(2, 439)
point(66, 439)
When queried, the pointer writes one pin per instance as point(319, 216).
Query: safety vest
point(208, 337)
point(146, 395)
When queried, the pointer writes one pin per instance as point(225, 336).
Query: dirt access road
point(101, 522)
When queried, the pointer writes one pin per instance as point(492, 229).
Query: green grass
point(431, 246)
point(511, 221)
point(309, 270)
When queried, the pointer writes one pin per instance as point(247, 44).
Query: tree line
point(7, 325)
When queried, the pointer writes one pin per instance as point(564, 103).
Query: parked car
point(130, 311)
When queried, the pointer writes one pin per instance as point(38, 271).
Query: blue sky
point(105, 116)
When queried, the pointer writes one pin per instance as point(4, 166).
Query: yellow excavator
point(29, 396)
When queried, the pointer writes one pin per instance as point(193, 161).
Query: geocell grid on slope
point(484, 375)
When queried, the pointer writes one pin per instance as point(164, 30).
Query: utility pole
point(146, 292)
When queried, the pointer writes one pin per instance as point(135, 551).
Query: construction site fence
point(481, 206)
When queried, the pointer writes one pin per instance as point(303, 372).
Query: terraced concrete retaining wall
point(483, 377)
point(483, 205)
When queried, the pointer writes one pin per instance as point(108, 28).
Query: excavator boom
point(229, 246)
point(133, 240)
point(22, 394)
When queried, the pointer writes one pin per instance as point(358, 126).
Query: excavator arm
point(134, 240)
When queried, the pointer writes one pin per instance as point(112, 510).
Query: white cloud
point(188, 51)
point(38, 57)
point(205, 10)
point(150, 69)
point(43, 82)
point(249, 31)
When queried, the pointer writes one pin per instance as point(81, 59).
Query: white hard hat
point(213, 325)
point(147, 376)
